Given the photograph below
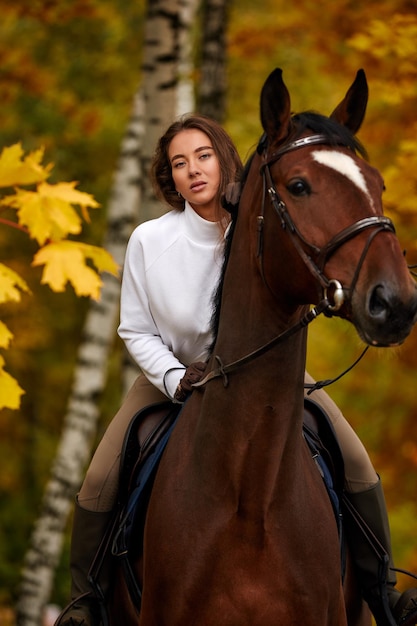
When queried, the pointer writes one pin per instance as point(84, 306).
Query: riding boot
point(372, 556)
point(88, 532)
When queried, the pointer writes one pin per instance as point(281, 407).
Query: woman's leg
point(359, 471)
point(99, 489)
point(364, 491)
point(94, 506)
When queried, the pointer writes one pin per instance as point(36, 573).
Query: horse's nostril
point(378, 305)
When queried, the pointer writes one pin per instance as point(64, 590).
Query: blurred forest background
point(68, 74)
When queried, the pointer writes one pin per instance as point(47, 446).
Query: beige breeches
point(359, 471)
point(99, 490)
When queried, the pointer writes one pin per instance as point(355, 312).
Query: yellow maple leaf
point(10, 391)
point(48, 213)
point(17, 171)
point(5, 336)
point(46, 218)
point(67, 193)
point(66, 262)
point(11, 285)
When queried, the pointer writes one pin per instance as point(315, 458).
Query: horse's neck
point(276, 377)
point(254, 312)
point(252, 429)
point(251, 316)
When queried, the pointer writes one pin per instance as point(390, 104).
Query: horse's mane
point(300, 123)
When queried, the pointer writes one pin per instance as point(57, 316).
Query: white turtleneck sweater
point(171, 270)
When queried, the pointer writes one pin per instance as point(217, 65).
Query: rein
point(379, 223)
point(223, 370)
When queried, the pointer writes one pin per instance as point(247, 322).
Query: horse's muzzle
point(386, 320)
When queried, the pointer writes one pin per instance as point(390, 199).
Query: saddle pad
point(140, 462)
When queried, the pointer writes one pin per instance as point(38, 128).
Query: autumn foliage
point(320, 46)
point(46, 213)
point(69, 70)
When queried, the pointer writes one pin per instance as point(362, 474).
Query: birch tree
point(213, 51)
point(154, 108)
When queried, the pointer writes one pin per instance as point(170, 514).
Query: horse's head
point(326, 200)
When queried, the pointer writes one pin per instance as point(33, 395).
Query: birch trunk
point(213, 52)
point(166, 66)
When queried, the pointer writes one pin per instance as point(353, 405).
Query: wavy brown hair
point(229, 160)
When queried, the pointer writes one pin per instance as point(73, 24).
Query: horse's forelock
point(318, 124)
point(322, 125)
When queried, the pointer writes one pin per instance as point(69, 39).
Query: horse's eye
point(298, 187)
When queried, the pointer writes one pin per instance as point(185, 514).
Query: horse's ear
point(230, 198)
point(275, 107)
point(351, 111)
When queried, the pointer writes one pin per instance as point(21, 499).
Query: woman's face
point(196, 171)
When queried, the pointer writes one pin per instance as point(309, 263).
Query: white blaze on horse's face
point(344, 164)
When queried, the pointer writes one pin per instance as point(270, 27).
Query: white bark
point(166, 60)
point(186, 86)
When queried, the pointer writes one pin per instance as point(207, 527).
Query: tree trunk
point(167, 36)
point(213, 52)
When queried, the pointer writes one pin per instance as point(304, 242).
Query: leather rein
point(314, 258)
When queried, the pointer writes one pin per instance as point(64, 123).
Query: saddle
point(144, 444)
point(324, 446)
point(321, 439)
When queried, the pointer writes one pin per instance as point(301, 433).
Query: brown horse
point(239, 528)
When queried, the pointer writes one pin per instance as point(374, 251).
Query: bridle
point(314, 258)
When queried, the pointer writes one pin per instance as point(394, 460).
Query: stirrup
point(87, 603)
point(406, 615)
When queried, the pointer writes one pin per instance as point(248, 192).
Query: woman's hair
point(229, 160)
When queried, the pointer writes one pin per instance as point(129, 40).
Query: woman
point(171, 270)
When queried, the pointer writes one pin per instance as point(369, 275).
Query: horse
point(239, 527)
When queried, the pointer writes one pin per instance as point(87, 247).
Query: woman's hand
point(193, 374)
